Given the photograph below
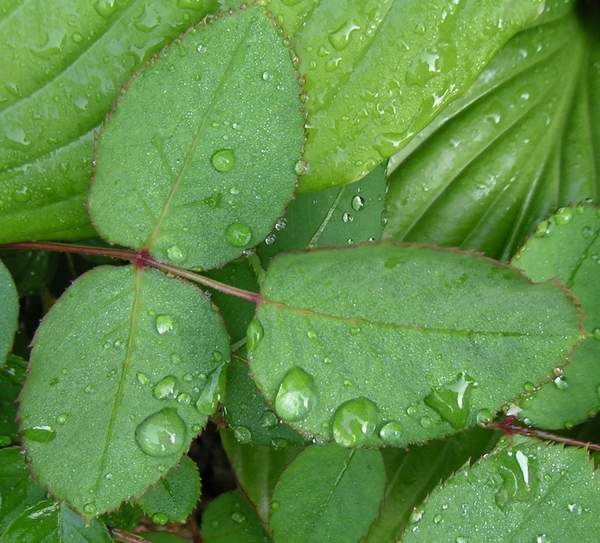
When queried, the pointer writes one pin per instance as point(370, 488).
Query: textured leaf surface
point(529, 492)
point(378, 71)
point(567, 246)
point(12, 377)
point(116, 370)
point(9, 313)
point(523, 141)
point(257, 469)
point(231, 519)
point(50, 522)
point(411, 475)
point(31, 270)
point(62, 63)
point(174, 497)
point(188, 170)
point(328, 493)
point(17, 490)
point(338, 359)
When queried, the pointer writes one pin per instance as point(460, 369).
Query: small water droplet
point(281, 224)
point(254, 334)
point(238, 517)
point(574, 508)
point(564, 215)
point(296, 396)
point(62, 418)
point(22, 194)
point(453, 401)
point(105, 8)
point(164, 324)
point(340, 38)
point(437, 519)
point(161, 434)
point(354, 422)
point(160, 518)
point(175, 254)
point(210, 394)
point(560, 382)
point(358, 202)
point(425, 422)
point(391, 433)
point(484, 417)
point(238, 234)
point(301, 167)
point(269, 419)
point(223, 160)
point(41, 433)
point(347, 217)
point(242, 434)
point(416, 515)
point(166, 388)
point(267, 76)
point(184, 398)
point(411, 410)
point(542, 229)
point(596, 333)
point(89, 508)
point(142, 378)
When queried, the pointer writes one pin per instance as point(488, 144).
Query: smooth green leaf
point(31, 270)
point(429, 340)
point(411, 475)
point(51, 522)
point(62, 63)
point(185, 168)
point(231, 519)
point(9, 313)
point(12, 377)
point(329, 494)
point(116, 370)
point(567, 246)
point(526, 492)
point(247, 413)
point(17, 488)
point(257, 469)
point(378, 71)
point(174, 497)
point(523, 141)
point(336, 216)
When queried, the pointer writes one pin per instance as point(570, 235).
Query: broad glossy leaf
point(174, 497)
point(62, 63)
point(186, 168)
point(523, 141)
point(247, 413)
point(412, 474)
point(12, 377)
point(376, 72)
point(31, 270)
point(231, 519)
point(527, 492)
point(9, 313)
point(348, 340)
point(567, 246)
point(117, 368)
point(17, 489)
point(328, 493)
point(51, 522)
point(257, 469)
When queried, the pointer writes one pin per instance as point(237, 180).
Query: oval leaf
point(188, 170)
point(116, 370)
point(429, 340)
point(526, 492)
point(9, 313)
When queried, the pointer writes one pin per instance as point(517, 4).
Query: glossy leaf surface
point(117, 369)
point(188, 170)
point(522, 142)
point(62, 63)
point(9, 312)
point(376, 72)
point(338, 360)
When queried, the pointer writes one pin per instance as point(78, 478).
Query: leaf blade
point(9, 314)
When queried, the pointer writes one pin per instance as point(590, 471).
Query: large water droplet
point(41, 433)
point(164, 324)
point(391, 433)
point(166, 388)
point(238, 234)
point(223, 160)
point(340, 38)
point(453, 402)
point(161, 434)
point(354, 422)
point(296, 396)
point(519, 478)
point(254, 334)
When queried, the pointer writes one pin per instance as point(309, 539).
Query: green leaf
point(231, 519)
point(336, 216)
point(523, 141)
point(51, 522)
point(9, 313)
point(411, 475)
point(530, 491)
point(17, 489)
point(328, 494)
point(567, 246)
point(174, 497)
point(464, 336)
point(12, 377)
point(62, 64)
point(163, 537)
point(378, 71)
point(127, 517)
point(257, 469)
point(248, 414)
point(31, 270)
point(116, 371)
point(188, 170)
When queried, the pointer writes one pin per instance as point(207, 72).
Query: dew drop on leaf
point(340, 38)
point(453, 401)
point(296, 396)
point(596, 333)
point(41, 434)
point(519, 478)
point(62, 418)
point(238, 234)
point(164, 324)
point(105, 8)
point(391, 433)
point(560, 382)
point(254, 334)
point(166, 388)
point(358, 202)
point(175, 254)
point(242, 434)
point(269, 419)
point(484, 416)
point(238, 517)
point(160, 518)
point(354, 422)
point(162, 433)
point(89, 508)
point(564, 215)
point(223, 160)
point(210, 394)
point(142, 378)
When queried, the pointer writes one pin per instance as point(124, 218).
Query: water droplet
point(311, 334)
point(238, 517)
point(22, 194)
point(238, 234)
point(161, 434)
point(411, 410)
point(437, 519)
point(301, 167)
point(416, 515)
point(17, 135)
point(242, 434)
point(358, 202)
point(560, 382)
point(105, 8)
point(484, 416)
point(142, 378)
point(453, 401)
point(391, 433)
point(166, 388)
point(41, 434)
point(574, 508)
point(340, 38)
point(175, 254)
point(211, 393)
point(519, 478)
point(184, 398)
point(564, 215)
point(160, 518)
point(89, 508)
point(354, 422)
point(425, 422)
point(269, 419)
point(281, 224)
point(164, 324)
point(347, 217)
point(223, 160)
point(542, 229)
point(267, 76)
point(270, 239)
point(596, 333)
point(296, 396)
point(62, 418)
point(254, 334)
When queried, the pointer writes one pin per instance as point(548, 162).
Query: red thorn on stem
point(507, 425)
point(141, 258)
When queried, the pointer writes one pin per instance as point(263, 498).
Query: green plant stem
point(127, 537)
point(139, 259)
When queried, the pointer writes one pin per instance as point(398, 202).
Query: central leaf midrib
point(196, 139)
